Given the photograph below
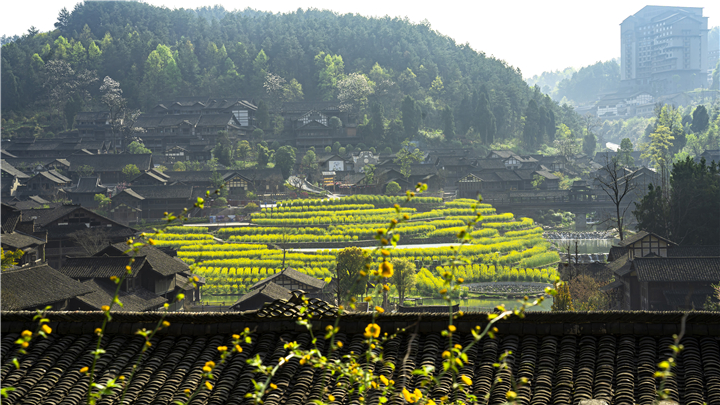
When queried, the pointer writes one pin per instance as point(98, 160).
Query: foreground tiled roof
point(100, 266)
point(37, 286)
point(567, 357)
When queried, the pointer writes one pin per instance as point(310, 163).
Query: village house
point(108, 168)
point(154, 201)
point(85, 190)
point(20, 235)
point(38, 148)
point(309, 124)
point(49, 185)
point(653, 273)
point(74, 230)
point(292, 279)
point(10, 179)
point(37, 287)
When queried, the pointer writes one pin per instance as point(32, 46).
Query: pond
point(584, 245)
point(488, 304)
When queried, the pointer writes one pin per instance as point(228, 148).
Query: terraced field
point(504, 248)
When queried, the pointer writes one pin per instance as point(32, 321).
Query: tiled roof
point(51, 177)
point(163, 192)
point(270, 291)
point(616, 252)
point(567, 357)
point(640, 235)
point(100, 266)
point(10, 216)
point(60, 176)
point(89, 185)
point(621, 266)
point(160, 261)
point(694, 251)
point(18, 240)
point(678, 269)
point(137, 300)
point(292, 274)
point(11, 170)
point(37, 286)
point(44, 216)
point(110, 162)
point(293, 307)
point(422, 309)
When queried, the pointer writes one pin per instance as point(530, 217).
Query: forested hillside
point(386, 70)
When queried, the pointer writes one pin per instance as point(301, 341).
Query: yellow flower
point(207, 369)
point(372, 330)
point(443, 291)
point(339, 344)
point(331, 398)
point(466, 379)
point(222, 348)
point(105, 308)
point(460, 280)
point(114, 278)
point(385, 252)
point(128, 269)
point(452, 328)
point(368, 299)
point(236, 337)
point(84, 370)
point(148, 344)
point(150, 241)
point(430, 402)
point(210, 364)
point(273, 386)
point(457, 346)
point(386, 269)
point(238, 348)
point(26, 333)
point(24, 345)
point(446, 354)
point(98, 331)
point(166, 324)
point(122, 377)
point(384, 380)
point(380, 309)
point(511, 395)
point(208, 385)
point(187, 391)
point(47, 329)
point(386, 287)
point(412, 398)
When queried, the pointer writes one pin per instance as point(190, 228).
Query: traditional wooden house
point(74, 230)
point(85, 190)
point(292, 279)
point(37, 148)
point(10, 179)
point(109, 167)
point(95, 125)
point(258, 297)
point(151, 178)
point(309, 124)
point(17, 235)
point(155, 201)
point(49, 185)
point(37, 287)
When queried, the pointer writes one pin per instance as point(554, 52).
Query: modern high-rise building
point(665, 49)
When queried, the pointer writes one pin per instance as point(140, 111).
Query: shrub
point(251, 207)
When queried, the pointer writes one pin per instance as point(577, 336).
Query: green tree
point(589, 143)
point(85, 170)
point(448, 123)
point(563, 299)
point(243, 150)
point(624, 155)
point(263, 155)
point(531, 129)
point(285, 159)
point(349, 281)
point(369, 171)
point(331, 69)
point(130, 171)
point(405, 159)
point(309, 164)
point(137, 148)
point(411, 117)
point(103, 201)
point(403, 276)
point(223, 150)
point(392, 188)
point(262, 115)
point(700, 119)
point(484, 122)
point(652, 212)
point(179, 166)
point(658, 151)
point(565, 141)
point(162, 75)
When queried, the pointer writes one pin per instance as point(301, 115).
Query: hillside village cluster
point(261, 246)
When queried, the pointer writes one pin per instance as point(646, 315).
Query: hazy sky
point(533, 35)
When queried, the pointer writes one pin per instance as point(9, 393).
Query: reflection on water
point(488, 304)
point(584, 245)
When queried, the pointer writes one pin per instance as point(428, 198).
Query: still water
point(488, 304)
point(584, 245)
